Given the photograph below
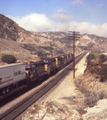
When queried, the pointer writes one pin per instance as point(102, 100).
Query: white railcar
point(11, 74)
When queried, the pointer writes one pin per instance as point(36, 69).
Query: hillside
point(12, 38)
point(27, 45)
point(11, 30)
point(92, 42)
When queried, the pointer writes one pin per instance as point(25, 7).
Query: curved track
point(15, 111)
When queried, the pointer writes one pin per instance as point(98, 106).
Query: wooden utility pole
point(73, 36)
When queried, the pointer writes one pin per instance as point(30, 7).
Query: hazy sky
point(86, 16)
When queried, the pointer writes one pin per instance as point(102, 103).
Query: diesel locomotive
point(18, 75)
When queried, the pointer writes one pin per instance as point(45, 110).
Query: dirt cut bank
point(94, 90)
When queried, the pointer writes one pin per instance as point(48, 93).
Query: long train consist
point(17, 75)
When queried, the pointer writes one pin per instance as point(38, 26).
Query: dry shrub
point(92, 89)
point(90, 97)
point(102, 56)
point(93, 69)
point(90, 57)
point(8, 59)
point(41, 55)
point(95, 96)
point(89, 83)
point(103, 73)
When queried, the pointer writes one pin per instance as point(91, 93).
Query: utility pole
point(73, 35)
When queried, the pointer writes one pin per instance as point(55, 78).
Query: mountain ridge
point(50, 43)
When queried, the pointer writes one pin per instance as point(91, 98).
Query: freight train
point(18, 75)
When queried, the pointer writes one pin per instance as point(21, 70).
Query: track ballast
point(15, 111)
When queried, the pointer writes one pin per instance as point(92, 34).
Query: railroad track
point(15, 111)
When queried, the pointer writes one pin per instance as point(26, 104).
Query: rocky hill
point(12, 38)
point(27, 45)
point(11, 30)
point(92, 42)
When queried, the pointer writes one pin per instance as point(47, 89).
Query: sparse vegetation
point(94, 97)
point(97, 53)
point(41, 55)
point(90, 45)
point(90, 57)
point(102, 58)
point(8, 59)
point(98, 66)
point(30, 47)
point(92, 89)
point(91, 82)
point(103, 73)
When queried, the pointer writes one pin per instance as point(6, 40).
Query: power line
point(73, 35)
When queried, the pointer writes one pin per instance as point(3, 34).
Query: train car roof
point(10, 65)
point(49, 59)
point(37, 63)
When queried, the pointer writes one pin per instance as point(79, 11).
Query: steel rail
point(15, 111)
